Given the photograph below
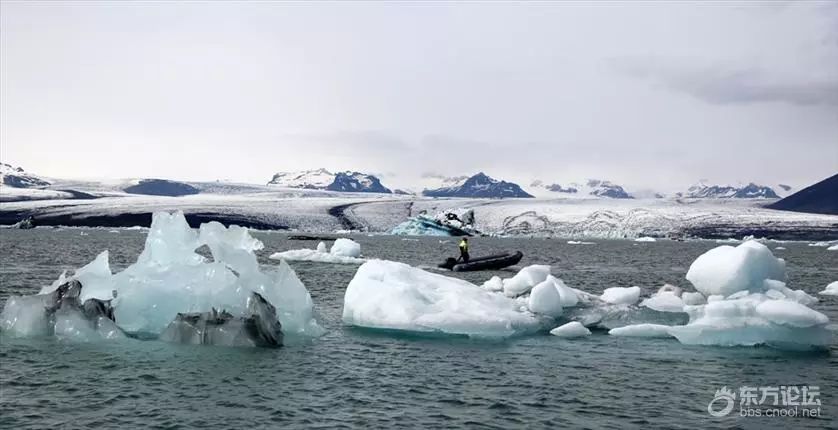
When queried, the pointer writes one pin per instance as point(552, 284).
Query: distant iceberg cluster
point(343, 251)
point(170, 278)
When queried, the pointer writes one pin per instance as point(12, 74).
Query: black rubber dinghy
point(491, 262)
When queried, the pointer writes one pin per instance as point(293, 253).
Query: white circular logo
point(722, 395)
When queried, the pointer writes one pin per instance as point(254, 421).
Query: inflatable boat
point(491, 262)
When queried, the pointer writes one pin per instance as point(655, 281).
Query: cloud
point(725, 85)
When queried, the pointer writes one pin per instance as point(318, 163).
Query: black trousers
point(464, 256)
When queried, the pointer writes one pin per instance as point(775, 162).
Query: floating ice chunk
point(321, 247)
point(790, 313)
point(313, 255)
point(641, 330)
point(576, 242)
point(693, 298)
point(665, 301)
point(391, 295)
point(25, 316)
point(780, 248)
point(833, 248)
point(830, 290)
point(545, 299)
point(170, 278)
point(494, 284)
point(570, 330)
point(569, 296)
point(726, 270)
point(754, 319)
point(798, 296)
point(621, 295)
point(525, 280)
point(645, 239)
point(346, 248)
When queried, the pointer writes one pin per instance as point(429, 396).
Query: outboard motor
point(449, 263)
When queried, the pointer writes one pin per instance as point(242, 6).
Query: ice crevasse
point(169, 277)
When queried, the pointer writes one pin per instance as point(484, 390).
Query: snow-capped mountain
point(479, 185)
point(590, 189)
point(749, 191)
point(317, 179)
point(356, 182)
point(322, 179)
point(18, 178)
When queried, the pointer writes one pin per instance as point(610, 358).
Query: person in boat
point(464, 250)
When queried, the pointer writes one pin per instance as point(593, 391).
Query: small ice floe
point(833, 248)
point(780, 248)
point(577, 242)
point(571, 330)
point(645, 239)
point(641, 330)
point(344, 251)
point(830, 290)
point(621, 295)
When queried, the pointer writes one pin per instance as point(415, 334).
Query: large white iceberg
point(725, 270)
point(748, 303)
point(396, 296)
point(344, 251)
point(169, 277)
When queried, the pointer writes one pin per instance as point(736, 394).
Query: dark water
point(363, 379)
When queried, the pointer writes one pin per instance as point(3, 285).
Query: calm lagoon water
point(354, 378)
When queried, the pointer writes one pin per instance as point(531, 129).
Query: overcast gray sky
point(645, 94)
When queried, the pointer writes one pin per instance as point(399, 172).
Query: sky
point(651, 95)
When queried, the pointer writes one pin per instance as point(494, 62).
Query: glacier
point(170, 277)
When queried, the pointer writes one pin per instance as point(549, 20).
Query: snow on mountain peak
point(18, 178)
point(590, 189)
point(322, 179)
point(702, 190)
point(316, 179)
point(479, 185)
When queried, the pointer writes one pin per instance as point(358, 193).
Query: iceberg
point(456, 222)
point(749, 304)
point(667, 299)
point(169, 278)
point(754, 319)
point(396, 296)
point(830, 290)
point(344, 247)
point(641, 330)
point(344, 251)
point(725, 270)
point(545, 299)
point(525, 280)
point(571, 330)
point(621, 295)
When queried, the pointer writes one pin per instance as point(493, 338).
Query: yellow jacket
point(463, 246)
